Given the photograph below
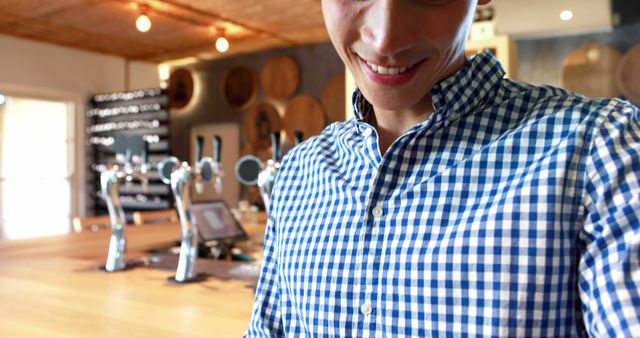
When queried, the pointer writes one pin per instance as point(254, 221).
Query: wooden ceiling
point(180, 28)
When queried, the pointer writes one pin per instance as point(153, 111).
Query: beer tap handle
point(199, 145)
point(145, 153)
point(217, 158)
point(128, 168)
point(275, 144)
point(144, 169)
point(128, 156)
point(217, 148)
point(299, 135)
point(198, 181)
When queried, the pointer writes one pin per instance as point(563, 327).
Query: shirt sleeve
point(266, 320)
point(609, 267)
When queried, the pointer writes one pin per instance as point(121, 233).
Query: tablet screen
point(216, 222)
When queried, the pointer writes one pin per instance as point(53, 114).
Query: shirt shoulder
point(535, 102)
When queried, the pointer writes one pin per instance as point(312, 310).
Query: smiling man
point(457, 202)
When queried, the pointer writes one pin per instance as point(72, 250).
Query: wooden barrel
point(333, 98)
point(629, 75)
point(591, 70)
point(180, 88)
point(259, 122)
point(240, 87)
point(280, 77)
point(264, 154)
point(303, 113)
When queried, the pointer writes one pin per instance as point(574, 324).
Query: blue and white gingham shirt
point(513, 211)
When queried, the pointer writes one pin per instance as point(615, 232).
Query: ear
point(483, 2)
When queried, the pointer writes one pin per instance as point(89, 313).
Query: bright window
point(36, 164)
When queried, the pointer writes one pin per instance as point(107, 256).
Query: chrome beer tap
point(267, 177)
point(182, 177)
point(182, 180)
point(110, 178)
point(209, 169)
point(250, 170)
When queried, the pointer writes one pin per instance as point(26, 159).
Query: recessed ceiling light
point(566, 15)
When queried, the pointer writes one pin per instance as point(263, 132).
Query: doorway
point(37, 144)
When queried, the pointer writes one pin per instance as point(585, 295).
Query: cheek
point(339, 19)
point(449, 26)
point(443, 36)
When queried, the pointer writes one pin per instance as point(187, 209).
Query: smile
point(390, 75)
point(387, 70)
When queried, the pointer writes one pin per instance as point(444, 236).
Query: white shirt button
point(366, 308)
point(377, 212)
point(366, 132)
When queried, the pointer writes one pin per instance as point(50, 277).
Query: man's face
point(397, 50)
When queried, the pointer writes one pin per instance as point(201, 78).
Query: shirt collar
point(455, 96)
point(361, 107)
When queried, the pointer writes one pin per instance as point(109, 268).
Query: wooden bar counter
point(50, 287)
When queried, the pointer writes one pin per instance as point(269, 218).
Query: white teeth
point(387, 71)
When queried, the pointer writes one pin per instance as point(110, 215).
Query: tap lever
point(299, 136)
point(144, 153)
point(217, 148)
point(144, 166)
point(128, 156)
point(199, 145)
point(275, 144)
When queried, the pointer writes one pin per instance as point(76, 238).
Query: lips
point(389, 75)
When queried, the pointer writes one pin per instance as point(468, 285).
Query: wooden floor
point(50, 287)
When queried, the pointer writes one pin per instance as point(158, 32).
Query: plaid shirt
point(513, 211)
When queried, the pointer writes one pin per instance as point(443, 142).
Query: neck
point(392, 124)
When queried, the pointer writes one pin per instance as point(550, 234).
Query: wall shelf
point(139, 112)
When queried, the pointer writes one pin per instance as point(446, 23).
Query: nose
point(389, 28)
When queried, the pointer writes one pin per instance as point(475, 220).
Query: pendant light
point(143, 23)
point(222, 44)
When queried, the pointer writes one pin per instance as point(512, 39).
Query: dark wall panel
point(318, 63)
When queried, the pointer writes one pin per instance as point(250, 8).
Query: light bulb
point(3, 99)
point(143, 23)
point(222, 44)
point(566, 15)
